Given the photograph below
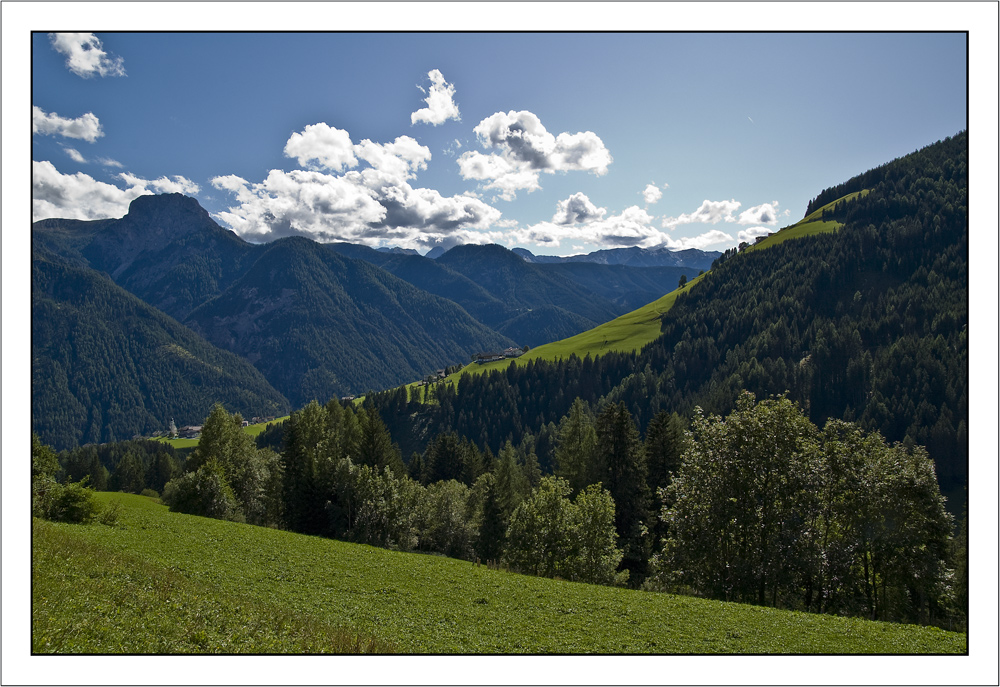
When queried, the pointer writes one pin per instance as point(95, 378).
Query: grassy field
point(252, 430)
point(809, 225)
point(161, 582)
point(630, 332)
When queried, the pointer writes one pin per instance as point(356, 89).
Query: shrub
point(151, 493)
point(111, 514)
point(203, 492)
point(72, 502)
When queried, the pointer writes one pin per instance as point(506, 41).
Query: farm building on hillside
point(189, 432)
point(511, 352)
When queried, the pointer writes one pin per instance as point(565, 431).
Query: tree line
point(758, 507)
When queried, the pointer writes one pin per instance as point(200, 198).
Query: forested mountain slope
point(438, 279)
point(107, 366)
point(349, 326)
point(868, 323)
point(567, 307)
point(627, 288)
point(318, 325)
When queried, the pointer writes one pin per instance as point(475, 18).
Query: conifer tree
point(576, 450)
point(620, 452)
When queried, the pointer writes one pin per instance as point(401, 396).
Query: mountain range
point(288, 321)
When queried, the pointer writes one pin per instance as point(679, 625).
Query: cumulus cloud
point(710, 212)
point(329, 146)
point(526, 149)
point(77, 196)
point(651, 194)
point(76, 155)
point(400, 159)
point(750, 235)
point(505, 177)
point(348, 202)
point(632, 227)
point(577, 209)
point(301, 202)
point(86, 127)
point(767, 213)
point(175, 184)
point(713, 238)
point(80, 196)
point(85, 55)
point(321, 146)
point(440, 102)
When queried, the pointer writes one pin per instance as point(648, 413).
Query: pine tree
point(620, 451)
point(576, 450)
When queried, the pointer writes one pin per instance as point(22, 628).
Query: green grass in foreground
point(165, 582)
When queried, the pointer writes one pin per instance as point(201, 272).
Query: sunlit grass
point(809, 225)
point(165, 582)
point(252, 430)
point(624, 334)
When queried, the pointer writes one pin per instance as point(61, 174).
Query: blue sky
point(558, 142)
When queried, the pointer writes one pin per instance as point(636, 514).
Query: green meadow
point(630, 332)
point(162, 582)
point(809, 225)
point(252, 430)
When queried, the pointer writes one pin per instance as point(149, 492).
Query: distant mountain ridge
point(534, 302)
point(315, 323)
point(323, 320)
point(658, 256)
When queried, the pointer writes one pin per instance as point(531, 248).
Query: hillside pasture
point(162, 582)
point(186, 444)
point(630, 332)
point(809, 225)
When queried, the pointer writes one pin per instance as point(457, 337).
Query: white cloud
point(710, 212)
point(108, 162)
point(767, 213)
point(301, 202)
point(577, 209)
point(87, 127)
point(632, 227)
point(715, 237)
point(77, 196)
point(174, 184)
point(527, 149)
point(400, 159)
point(329, 146)
point(85, 55)
point(505, 177)
point(371, 206)
point(80, 196)
point(76, 155)
point(440, 102)
point(651, 194)
point(750, 235)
